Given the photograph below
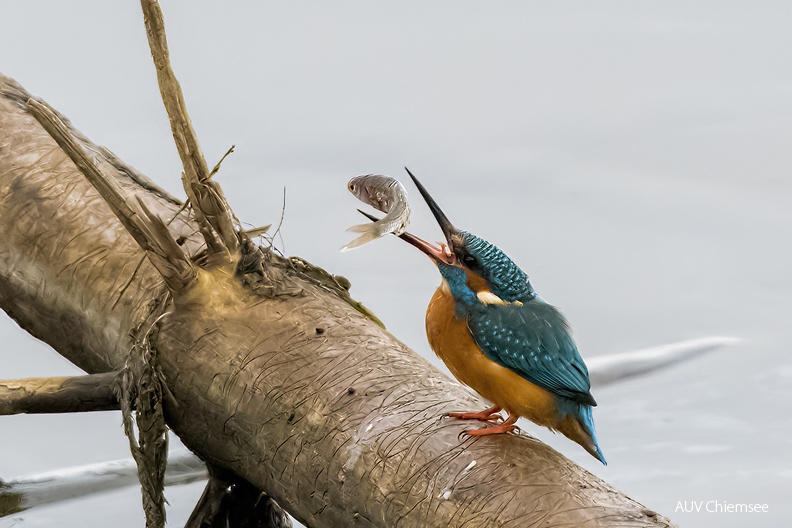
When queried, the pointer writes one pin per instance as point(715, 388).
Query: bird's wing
point(532, 340)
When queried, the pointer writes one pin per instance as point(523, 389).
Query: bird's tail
point(586, 422)
point(370, 232)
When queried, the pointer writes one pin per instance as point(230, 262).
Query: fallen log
point(270, 370)
point(97, 392)
point(92, 393)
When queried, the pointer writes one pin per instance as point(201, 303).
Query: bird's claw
point(488, 415)
point(503, 427)
point(498, 429)
point(475, 416)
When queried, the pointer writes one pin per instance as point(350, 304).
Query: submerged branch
point(229, 501)
point(613, 368)
point(22, 493)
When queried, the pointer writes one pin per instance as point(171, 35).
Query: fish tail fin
point(370, 233)
point(586, 421)
point(360, 228)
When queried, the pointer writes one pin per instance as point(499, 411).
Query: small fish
point(385, 194)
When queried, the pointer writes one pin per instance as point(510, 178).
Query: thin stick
point(217, 167)
point(280, 222)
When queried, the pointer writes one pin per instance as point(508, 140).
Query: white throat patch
point(487, 297)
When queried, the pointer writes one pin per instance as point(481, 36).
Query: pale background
point(633, 157)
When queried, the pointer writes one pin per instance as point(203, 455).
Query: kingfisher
point(498, 337)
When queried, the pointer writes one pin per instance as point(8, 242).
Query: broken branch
point(209, 203)
point(163, 252)
point(94, 392)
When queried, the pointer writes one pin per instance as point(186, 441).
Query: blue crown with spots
point(505, 278)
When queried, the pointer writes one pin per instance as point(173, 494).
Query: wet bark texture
point(272, 372)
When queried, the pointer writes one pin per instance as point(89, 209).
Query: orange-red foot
point(493, 413)
point(505, 427)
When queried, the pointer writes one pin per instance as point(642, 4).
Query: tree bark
point(273, 374)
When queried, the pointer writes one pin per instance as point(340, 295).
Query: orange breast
point(451, 340)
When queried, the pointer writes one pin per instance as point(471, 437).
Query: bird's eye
point(352, 187)
point(469, 259)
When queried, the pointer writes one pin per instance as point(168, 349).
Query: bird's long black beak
point(438, 254)
point(445, 224)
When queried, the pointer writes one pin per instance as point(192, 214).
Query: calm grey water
point(633, 157)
